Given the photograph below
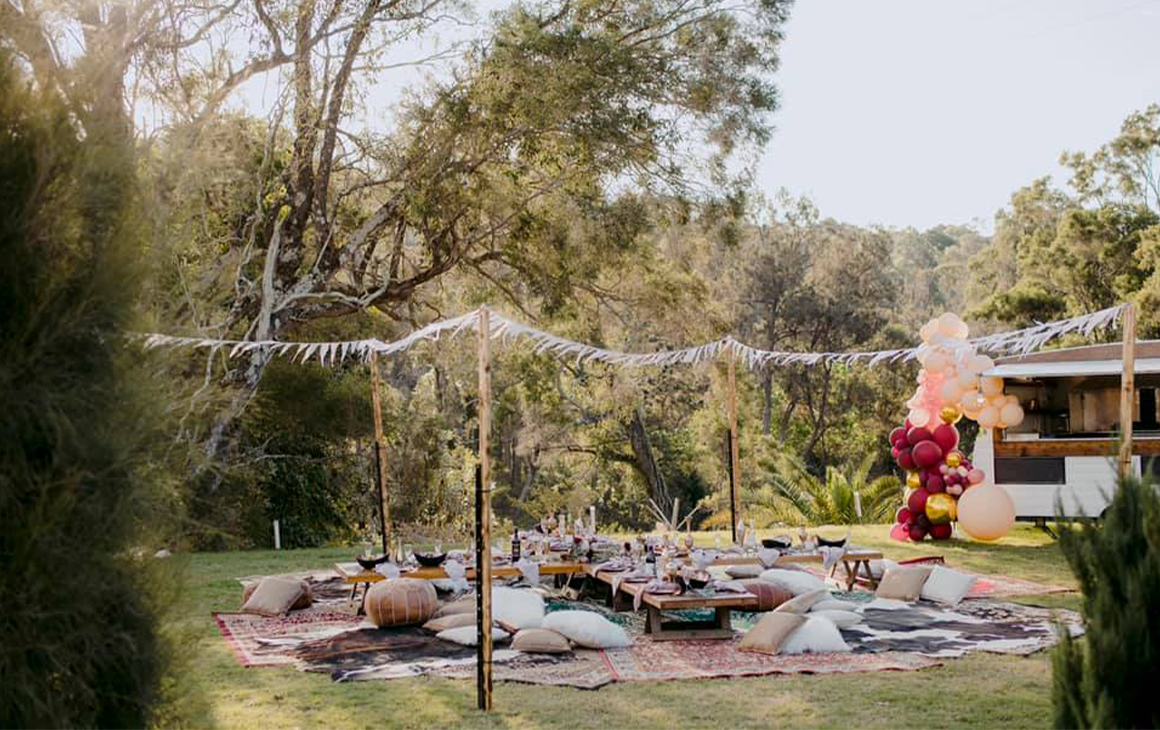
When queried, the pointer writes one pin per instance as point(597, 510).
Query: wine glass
point(408, 553)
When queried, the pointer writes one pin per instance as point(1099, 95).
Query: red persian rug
point(261, 641)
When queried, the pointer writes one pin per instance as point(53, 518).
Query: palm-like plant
point(797, 497)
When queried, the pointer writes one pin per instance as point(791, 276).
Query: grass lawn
point(976, 691)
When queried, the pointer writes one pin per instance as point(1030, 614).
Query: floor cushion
point(274, 596)
point(450, 621)
point(769, 595)
point(466, 604)
point(815, 636)
point(541, 641)
point(400, 602)
point(587, 629)
point(305, 601)
point(947, 586)
point(804, 602)
point(744, 571)
point(767, 636)
point(833, 604)
point(797, 581)
point(469, 635)
point(903, 584)
point(841, 619)
point(516, 609)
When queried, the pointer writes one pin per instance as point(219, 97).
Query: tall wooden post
point(734, 450)
point(483, 522)
point(380, 455)
point(1127, 390)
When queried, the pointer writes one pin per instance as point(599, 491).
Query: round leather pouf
point(400, 602)
point(769, 595)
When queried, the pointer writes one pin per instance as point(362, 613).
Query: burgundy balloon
point(923, 474)
point(897, 435)
point(917, 435)
point(922, 521)
point(905, 460)
point(917, 502)
point(926, 454)
point(940, 532)
point(893, 452)
point(904, 516)
point(946, 436)
point(935, 484)
point(917, 533)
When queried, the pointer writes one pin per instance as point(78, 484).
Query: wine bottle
point(516, 546)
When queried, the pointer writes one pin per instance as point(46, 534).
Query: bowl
point(430, 560)
point(371, 563)
point(823, 542)
point(699, 581)
point(776, 543)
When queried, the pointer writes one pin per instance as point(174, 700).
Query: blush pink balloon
point(900, 533)
point(955, 489)
point(976, 476)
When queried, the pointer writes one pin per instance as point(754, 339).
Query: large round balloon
point(946, 436)
point(986, 512)
point(1011, 414)
point(940, 509)
point(926, 454)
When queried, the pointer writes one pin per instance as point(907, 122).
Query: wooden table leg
point(851, 574)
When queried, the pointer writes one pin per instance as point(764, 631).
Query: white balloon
point(972, 402)
point(986, 511)
point(980, 364)
point(936, 362)
point(1011, 399)
point(1012, 414)
point(928, 330)
point(968, 380)
point(951, 391)
point(988, 417)
point(950, 325)
point(919, 416)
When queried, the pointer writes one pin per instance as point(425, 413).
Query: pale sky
point(919, 112)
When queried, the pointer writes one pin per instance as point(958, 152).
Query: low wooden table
point(855, 562)
point(720, 627)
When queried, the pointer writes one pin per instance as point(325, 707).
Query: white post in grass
point(277, 536)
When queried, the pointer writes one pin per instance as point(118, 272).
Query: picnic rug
point(329, 638)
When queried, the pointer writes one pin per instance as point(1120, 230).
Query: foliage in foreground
point(78, 640)
point(1107, 679)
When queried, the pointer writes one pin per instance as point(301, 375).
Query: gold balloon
point(940, 508)
point(912, 480)
point(950, 414)
point(954, 459)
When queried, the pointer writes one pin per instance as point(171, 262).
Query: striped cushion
point(401, 601)
point(769, 595)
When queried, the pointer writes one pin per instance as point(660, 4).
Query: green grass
point(976, 691)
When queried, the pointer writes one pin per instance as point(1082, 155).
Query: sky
point(920, 112)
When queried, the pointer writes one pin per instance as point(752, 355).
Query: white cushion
point(796, 581)
point(744, 571)
point(517, 609)
point(885, 604)
point(588, 629)
point(878, 568)
point(833, 604)
point(816, 636)
point(947, 586)
point(841, 619)
point(469, 635)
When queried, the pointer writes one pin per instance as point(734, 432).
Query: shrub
point(1106, 679)
point(78, 644)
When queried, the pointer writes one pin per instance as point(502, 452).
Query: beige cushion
point(770, 632)
point(273, 596)
point(306, 601)
point(541, 641)
point(903, 584)
point(769, 595)
point(744, 571)
point(803, 602)
point(450, 621)
point(462, 605)
point(400, 602)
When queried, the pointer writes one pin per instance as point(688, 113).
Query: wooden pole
point(380, 455)
point(1127, 391)
point(734, 451)
point(483, 528)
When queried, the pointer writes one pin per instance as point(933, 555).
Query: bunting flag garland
point(504, 330)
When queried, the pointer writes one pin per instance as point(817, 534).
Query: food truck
point(1067, 445)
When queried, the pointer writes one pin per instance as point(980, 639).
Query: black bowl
point(773, 542)
point(430, 560)
point(699, 582)
point(823, 542)
point(371, 563)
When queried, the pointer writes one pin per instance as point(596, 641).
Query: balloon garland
point(951, 385)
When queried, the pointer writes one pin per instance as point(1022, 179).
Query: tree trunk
point(646, 462)
point(767, 401)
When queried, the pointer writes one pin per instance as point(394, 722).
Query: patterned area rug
point(329, 638)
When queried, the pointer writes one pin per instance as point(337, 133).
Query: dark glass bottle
point(516, 546)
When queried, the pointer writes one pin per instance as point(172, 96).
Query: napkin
point(768, 556)
point(530, 571)
point(455, 574)
point(387, 570)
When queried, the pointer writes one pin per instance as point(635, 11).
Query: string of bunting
point(504, 330)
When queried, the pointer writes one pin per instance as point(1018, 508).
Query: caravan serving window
point(1030, 470)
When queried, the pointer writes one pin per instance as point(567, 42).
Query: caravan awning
point(1080, 368)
